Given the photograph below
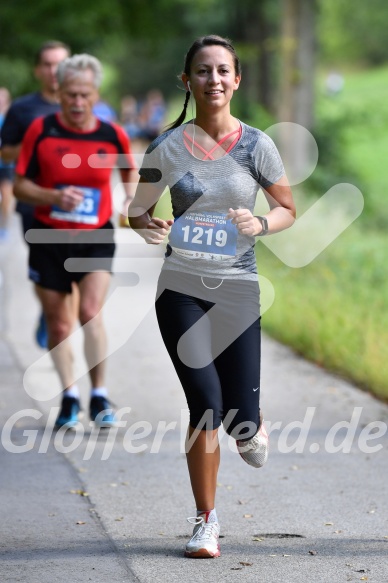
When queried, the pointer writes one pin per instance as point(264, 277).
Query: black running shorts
point(54, 265)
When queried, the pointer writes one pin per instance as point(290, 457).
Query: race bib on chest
point(85, 213)
point(204, 236)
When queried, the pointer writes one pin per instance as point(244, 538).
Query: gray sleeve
point(269, 164)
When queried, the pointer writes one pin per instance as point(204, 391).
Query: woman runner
point(207, 303)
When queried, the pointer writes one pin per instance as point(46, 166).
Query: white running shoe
point(254, 451)
point(204, 542)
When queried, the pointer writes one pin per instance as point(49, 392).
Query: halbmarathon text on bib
point(204, 235)
point(86, 212)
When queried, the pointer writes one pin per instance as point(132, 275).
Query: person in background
point(129, 116)
point(6, 174)
point(207, 304)
point(19, 117)
point(143, 120)
point(74, 201)
point(104, 111)
point(152, 115)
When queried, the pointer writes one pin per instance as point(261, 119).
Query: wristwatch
point(264, 225)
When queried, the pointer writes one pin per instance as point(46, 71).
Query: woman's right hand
point(156, 230)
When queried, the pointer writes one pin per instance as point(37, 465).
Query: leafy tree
point(353, 31)
point(24, 25)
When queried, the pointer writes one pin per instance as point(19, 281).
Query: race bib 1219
point(204, 235)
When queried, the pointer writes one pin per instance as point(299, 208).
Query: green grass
point(335, 311)
point(364, 104)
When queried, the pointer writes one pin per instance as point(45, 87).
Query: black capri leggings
point(211, 329)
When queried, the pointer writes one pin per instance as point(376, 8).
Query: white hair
point(77, 64)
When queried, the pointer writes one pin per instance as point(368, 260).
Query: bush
point(15, 74)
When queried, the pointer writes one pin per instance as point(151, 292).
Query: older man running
point(64, 169)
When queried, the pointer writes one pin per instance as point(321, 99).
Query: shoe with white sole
point(204, 542)
point(254, 451)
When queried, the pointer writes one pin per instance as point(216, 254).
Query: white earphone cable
point(192, 117)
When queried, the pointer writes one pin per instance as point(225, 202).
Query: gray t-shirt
point(202, 241)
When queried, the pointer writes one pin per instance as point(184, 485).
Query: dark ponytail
point(182, 116)
point(200, 43)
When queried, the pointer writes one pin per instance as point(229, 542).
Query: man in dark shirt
point(20, 115)
point(27, 108)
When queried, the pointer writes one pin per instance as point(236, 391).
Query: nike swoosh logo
point(257, 388)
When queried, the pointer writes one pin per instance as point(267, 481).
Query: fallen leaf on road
point(312, 552)
point(245, 564)
point(258, 539)
point(80, 522)
point(80, 492)
point(329, 523)
point(247, 516)
point(119, 519)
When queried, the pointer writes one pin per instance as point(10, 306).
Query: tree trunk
point(296, 99)
point(254, 29)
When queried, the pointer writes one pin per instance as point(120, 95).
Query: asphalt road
point(112, 506)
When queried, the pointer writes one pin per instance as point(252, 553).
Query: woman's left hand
point(246, 223)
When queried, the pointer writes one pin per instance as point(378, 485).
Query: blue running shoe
point(41, 332)
point(101, 412)
point(68, 415)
